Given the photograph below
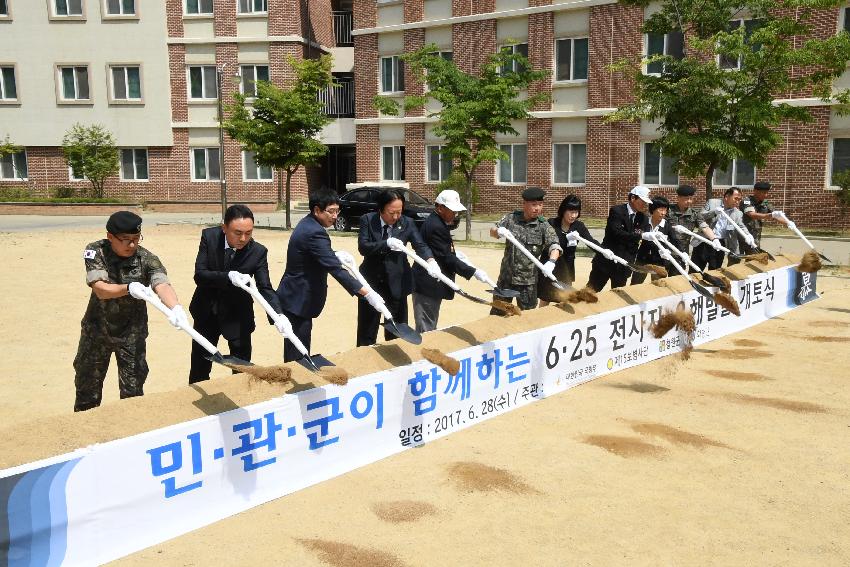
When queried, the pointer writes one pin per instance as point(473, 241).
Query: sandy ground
point(737, 456)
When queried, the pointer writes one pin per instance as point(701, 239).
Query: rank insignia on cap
point(89, 254)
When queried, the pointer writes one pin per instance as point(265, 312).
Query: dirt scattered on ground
point(748, 343)
point(441, 359)
point(626, 447)
point(825, 339)
point(271, 374)
point(740, 353)
point(340, 554)
point(675, 435)
point(401, 511)
point(810, 262)
point(739, 376)
point(828, 324)
point(779, 403)
point(334, 375)
point(641, 387)
point(478, 477)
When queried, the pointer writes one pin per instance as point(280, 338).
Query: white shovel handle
point(251, 288)
point(509, 235)
point(665, 255)
point(152, 298)
point(797, 231)
point(347, 261)
point(415, 257)
point(462, 257)
point(701, 238)
point(738, 229)
point(592, 246)
point(683, 255)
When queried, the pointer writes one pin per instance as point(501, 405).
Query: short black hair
point(730, 191)
point(658, 203)
point(570, 203)
point(388, 196)
point(234, 212)
point(323, 198)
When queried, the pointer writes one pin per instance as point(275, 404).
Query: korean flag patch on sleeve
point(89, 254)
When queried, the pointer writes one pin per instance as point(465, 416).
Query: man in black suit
point(623, 233)
point(303, 288)
point(218, 307)
point(387, 271)
point(648, 253)
point(428, 293)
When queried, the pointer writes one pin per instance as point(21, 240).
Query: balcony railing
point(343, 23)
point(339, 99)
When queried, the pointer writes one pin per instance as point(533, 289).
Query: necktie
point(632, 218)
point(386, 231)
point(228, 257)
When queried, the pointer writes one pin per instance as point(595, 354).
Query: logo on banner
point(806, 288)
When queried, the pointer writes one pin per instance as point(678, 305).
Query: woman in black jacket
point(565, 268)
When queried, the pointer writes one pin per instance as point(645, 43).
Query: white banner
point(109, 500)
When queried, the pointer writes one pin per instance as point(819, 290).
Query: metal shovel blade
point(314, 362)
point(219, 358)
point(713, 280)
point(403, 331)
point(702, 291)
point(502, 292)
point(825, 258)
point(769, 255)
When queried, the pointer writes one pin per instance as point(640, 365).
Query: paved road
point(837, 249)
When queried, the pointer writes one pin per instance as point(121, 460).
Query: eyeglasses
point(332, 212)
point(129, 241)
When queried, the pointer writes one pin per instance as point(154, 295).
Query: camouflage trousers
point(527, 297)
point(92, 362)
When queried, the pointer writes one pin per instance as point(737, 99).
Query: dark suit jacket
point(303, 288)
point(648, 252)
point(217, 298)
point(437, 236)
point(383, 268)
point(622, 236)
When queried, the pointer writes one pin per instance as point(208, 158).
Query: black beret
point(765, 185)
point(533, 194)
point(124, 222)
point(686, 190)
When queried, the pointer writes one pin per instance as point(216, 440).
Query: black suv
point(361, 200)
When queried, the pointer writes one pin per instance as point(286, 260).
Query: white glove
point(648, 235)
point(178, 317)
point(395, 244)
point(373, 299)
point(282, 324)
point(548, 269)
point(571, 239)
point(137, 290)
point(751, 242)
point(778, 215)
point(434, 269)
point(238, 278)
point(791, 225)
point(480, 275)
point(608, 254)
point(345, 257)
point(716, 244)
point(503, 232)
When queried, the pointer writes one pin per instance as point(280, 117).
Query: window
point(4, 9)
point(392, 163)
point(658, 169)
point(8, 84)
point(199, 7)
point(571, 59)
point(439, 166)
point(735, 62)
point(202, 82)
point(253, 6)
point(254, 171)
point(65, 8)
point(126, 83)
point(14, 166)
point(671, 44)
point(840, 158)
point(740, 172)
point(74, 83)
point(250, 75)
point(121, 7)
point(569, 163)
point(515, 66)
point(392, 74)
point(513, 170)
point(134, 164)
point(205, 164)
point(74, 176)
point(845, 24)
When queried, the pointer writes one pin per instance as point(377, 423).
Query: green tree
point(91, 151)
point(715, 103)
point(280, 125)
point(473, 108)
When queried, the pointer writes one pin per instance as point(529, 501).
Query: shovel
point(682, 230)
point(401, 330)
point(669, 258)
point(501, 292)
point(151, 297)
point(555, 283)
point(796, 230)
point(314, 362)
point(616, 259)
point(687, 259)
point(740, 231)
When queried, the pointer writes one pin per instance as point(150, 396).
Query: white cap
point(641, 191)
point(451, 200)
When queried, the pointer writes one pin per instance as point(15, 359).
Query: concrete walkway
point(837, 249)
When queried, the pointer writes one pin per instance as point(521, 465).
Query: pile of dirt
point(271, 374)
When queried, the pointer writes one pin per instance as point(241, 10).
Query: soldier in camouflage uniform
point(756, 210)
point(531, 229)
point(681, 212)
point(114, 321)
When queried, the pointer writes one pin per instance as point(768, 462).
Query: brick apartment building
point(566, 146)
point(148, 71)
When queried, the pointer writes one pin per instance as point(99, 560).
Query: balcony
point(339, 98)
point(343, 22)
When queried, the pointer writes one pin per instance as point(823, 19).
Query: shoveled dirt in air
point(810, 262)
point(438, 357)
